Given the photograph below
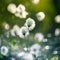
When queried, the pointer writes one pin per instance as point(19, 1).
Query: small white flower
point(35, 46)
point(49, 35)
point(21, 7)
point(11, 8)
point(57, 19)
point(20, 11)
point(30, 24)
point(25, 48)
point(35, 1)
point(40, 16)
point(15, 30)
point(24, 32)
point(6, 26)
point(55, 52)
point(20, 54)
point(4, 50)
point(12, 32)
point(27, 56)
point(21, 14)
point(39, 37)
point(35, 49)
point(57, 32)
point(47, 47)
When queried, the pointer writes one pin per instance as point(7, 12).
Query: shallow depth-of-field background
point(47, 27)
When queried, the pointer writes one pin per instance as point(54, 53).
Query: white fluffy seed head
point(35, 49)
point(20, 54)
point(35, 46)
point(35, 1)
point(55, 52)
point(24, 32)
point(21, 7)
point(22, 14)
point(39, 37)
point(25, 48)
point(40, 16)
point(27, 56)
point(30, 24)
point(47, 47)
point(4, 50)
point(11, 8)
point(57, 32)
point(12, 32)
point(6, 26)
point(57, 19)
point(15, 31)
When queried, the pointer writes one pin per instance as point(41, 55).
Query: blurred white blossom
point(20, 54)
point(27, 56)
point(24, 32)
point(4, 50)
point(15, 31)
point(11, 8)
point(47, 47)
point(21, 12)
point(30, 24)
point(35, 49)
point(17, 11)
point(21, 7)
point(57, 19)
point(39, 37)
point(12, 32)
point(55, 52)
point(40, 16)
point(25, 48)
point(57, 32)
point(6, 26)
point(35, 1)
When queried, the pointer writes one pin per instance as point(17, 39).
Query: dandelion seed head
point(6, 26)
point(57, 19)
point(30, 24)
point(28, 56)
point(20, 54)
point(21, 7)
point(4, 50)
point(11, 8)
point(57, 32)
point(24, 32)
point(39, 37)
point(35, 49)
point(35, 1)
point(55, 52)
point(47, 47)
point(15, 31)
point(40, 16)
